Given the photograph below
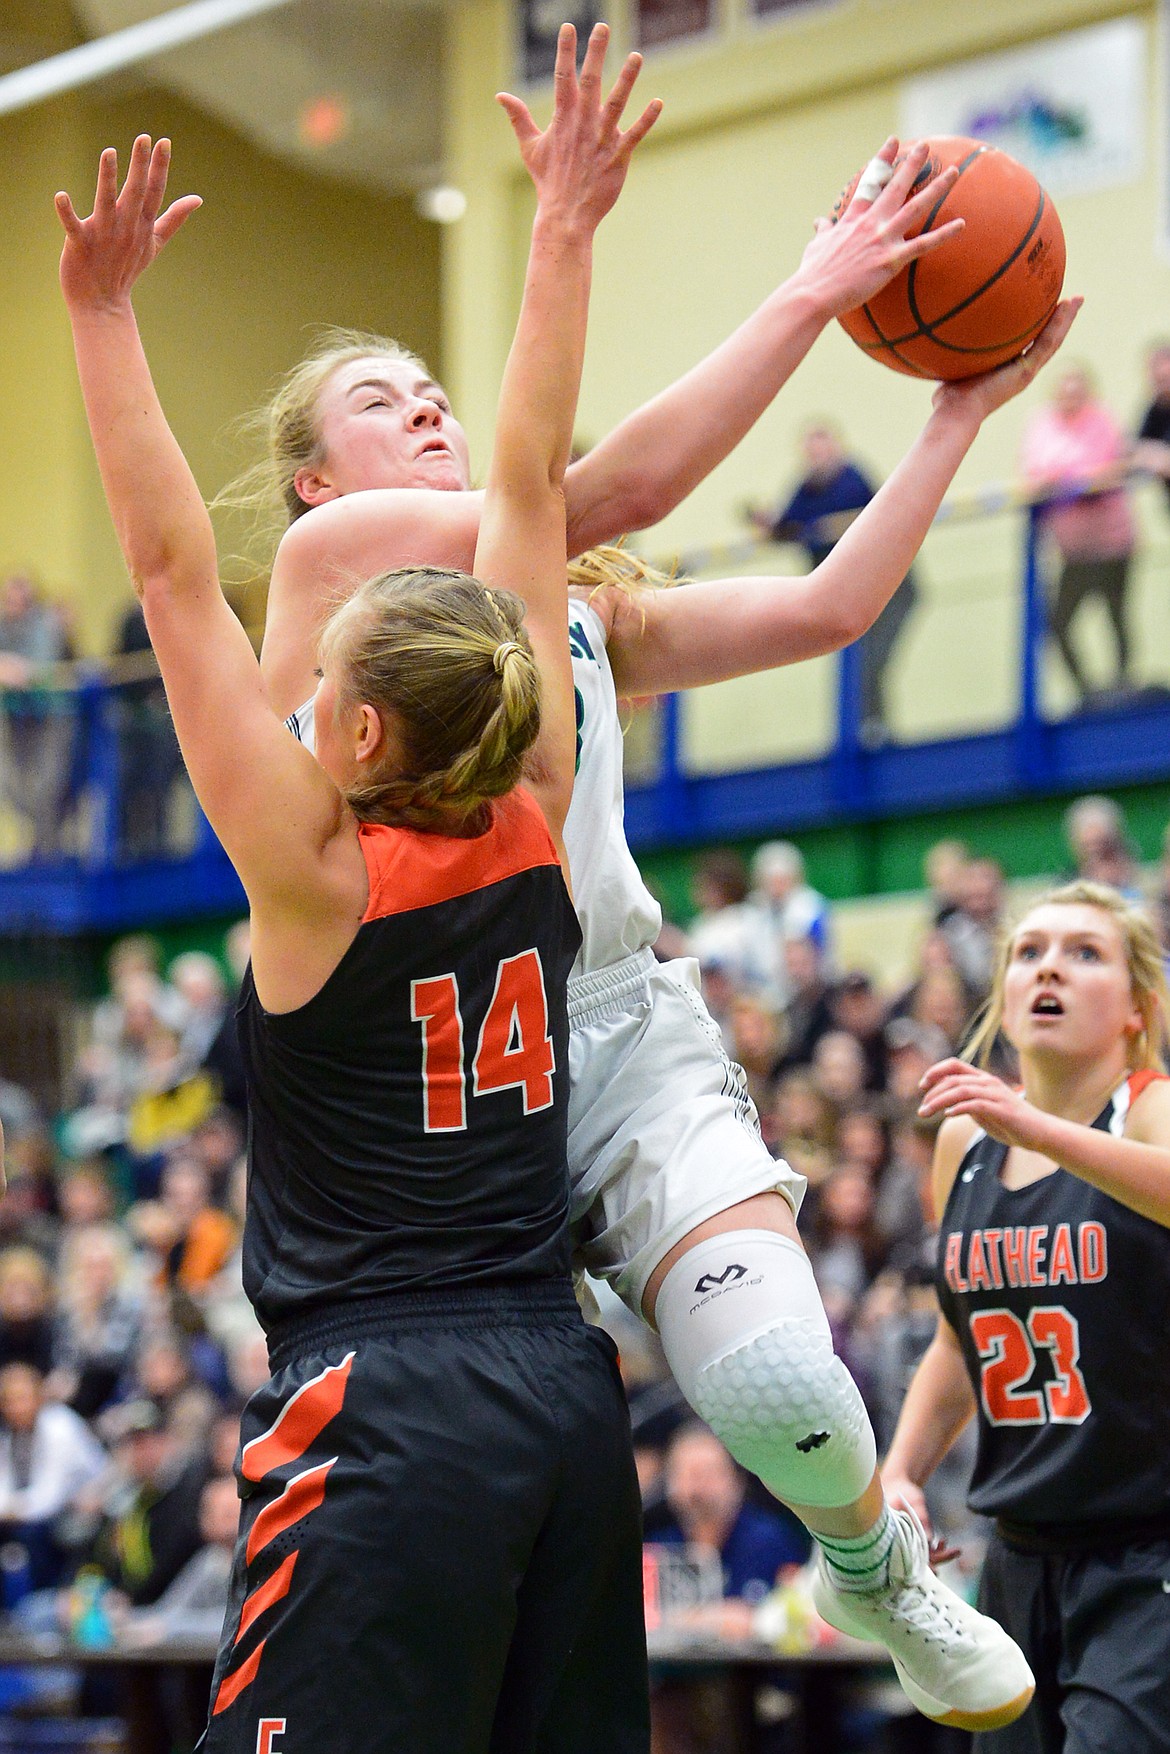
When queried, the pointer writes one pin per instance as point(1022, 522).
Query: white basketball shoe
point(957, 1666)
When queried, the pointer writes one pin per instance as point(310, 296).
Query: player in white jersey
point(676, 1199)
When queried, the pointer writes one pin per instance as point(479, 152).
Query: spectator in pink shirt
point(1072, 445)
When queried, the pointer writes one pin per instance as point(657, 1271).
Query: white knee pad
point(747, 1339)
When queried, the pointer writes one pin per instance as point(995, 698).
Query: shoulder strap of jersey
point(1139, 1081)
point(409, 868)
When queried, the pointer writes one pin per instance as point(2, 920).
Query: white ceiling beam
point(123, 48)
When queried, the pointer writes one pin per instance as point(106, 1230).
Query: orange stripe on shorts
point(299, 1422)
point(233, 1685)
point(266, 1594)
point(303, 1494)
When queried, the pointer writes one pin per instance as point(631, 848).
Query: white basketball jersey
point(618, 914)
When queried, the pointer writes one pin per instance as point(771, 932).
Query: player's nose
point(423, 413)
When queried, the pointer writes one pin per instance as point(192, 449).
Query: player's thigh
point(1117, 1652)
point(382, 1612)
point(664, 1134)
point(576, 1677)
point(1019, 1591)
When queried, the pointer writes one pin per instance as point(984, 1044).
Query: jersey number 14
point(514, 1050)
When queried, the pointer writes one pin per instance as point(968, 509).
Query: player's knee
point(746, 1336)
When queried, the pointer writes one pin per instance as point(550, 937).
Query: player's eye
point(319, 674)
point(1026, 952)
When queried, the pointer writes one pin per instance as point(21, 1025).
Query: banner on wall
point(1071, 107)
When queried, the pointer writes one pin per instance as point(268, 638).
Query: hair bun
point(503, 652)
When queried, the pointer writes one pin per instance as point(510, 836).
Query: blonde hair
point(612, 564)
point(1143, 955)
point(450, 664)
point(289, 427)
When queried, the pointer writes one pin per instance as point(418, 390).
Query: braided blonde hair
point(451, 664)
point(1143, 955)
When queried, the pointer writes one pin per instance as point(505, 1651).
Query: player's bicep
point(951, 1146)
point(271, 806)
point(521, 549)
point(329, 551)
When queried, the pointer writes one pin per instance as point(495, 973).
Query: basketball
point(978, 300)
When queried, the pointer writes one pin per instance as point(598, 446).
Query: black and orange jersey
point(1058, 1294)
point(408, 1123)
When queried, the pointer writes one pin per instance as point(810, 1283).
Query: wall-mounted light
point(442, 204)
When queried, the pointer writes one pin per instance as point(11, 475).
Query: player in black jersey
point(439, 1544)
point(1053, 1280)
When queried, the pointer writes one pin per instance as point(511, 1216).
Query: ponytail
point(450, 666)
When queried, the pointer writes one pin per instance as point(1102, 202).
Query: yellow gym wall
point(763, 125)
point(229, 305)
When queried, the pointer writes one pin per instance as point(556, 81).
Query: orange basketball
point(977, 301)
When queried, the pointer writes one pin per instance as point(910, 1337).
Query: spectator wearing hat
point(150, 1527)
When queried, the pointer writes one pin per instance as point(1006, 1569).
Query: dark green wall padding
point(880, 858)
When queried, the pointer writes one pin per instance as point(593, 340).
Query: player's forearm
point(660, 453)
point(716, 630)
point(538, 399)
point(1136, 1174)
point(938, 1404)
point(161, 521)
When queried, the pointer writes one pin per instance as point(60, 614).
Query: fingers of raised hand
point(622, 86)
point(67, 214)
point(519, 115)
point(928, 241)
point(106, 193)
point(916, 210)
point(565, 68)
point(905, 175)
point(168, 223)
point(948, 1068)
point(638, 132)
point(594, 58)
point(137, 175)
point(155, 184)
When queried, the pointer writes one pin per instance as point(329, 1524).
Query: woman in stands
point(676, 1199)
point(439, 1545)
point(1053, 1280)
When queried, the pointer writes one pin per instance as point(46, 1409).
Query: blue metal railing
point(1123, 742)
point(99, 880)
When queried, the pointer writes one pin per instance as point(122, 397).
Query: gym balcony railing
point(101, 831)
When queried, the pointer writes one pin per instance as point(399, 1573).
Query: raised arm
point(273, 808)
point(578, 164)
point(717, 629)
point(660, 453)
point(636, 475)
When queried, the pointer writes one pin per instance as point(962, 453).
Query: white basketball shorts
point(662, 1131)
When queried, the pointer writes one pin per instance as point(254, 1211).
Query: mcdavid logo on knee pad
point(729, 1276)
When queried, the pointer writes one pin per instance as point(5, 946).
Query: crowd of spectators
point(127, 1348)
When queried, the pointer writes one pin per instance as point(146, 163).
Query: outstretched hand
point(982, 395)
point(852, 258)
point(105, 254)
point(954, 1087)
point(579, 162)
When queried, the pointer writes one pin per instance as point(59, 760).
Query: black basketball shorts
point(440, 1538)
point(1095, 1628)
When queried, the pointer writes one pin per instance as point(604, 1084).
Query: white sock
point(860, 1562)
